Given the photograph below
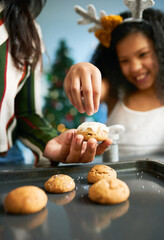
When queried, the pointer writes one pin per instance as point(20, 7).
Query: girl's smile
point(137, 60)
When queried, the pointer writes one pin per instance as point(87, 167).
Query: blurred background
point(59, 21)
point(67, 43)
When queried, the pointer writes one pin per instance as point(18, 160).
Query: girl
point(133, 86)
point(20, 71)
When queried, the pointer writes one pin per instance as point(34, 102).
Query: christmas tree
point(57, 109)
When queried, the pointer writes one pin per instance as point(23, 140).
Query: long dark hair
point(106, 58)
point(24, 40)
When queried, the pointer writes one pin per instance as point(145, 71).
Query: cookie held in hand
point(59, 183)
point(25, 200)
point(96, 130)
point(99, 172)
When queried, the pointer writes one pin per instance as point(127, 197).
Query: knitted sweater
point(20, 102)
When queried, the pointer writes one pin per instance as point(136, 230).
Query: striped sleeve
point(33, 129)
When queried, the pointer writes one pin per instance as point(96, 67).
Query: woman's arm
point(33, 129)
point(69, 147)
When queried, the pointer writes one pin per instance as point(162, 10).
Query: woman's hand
point(69, 147)
point(83, 87)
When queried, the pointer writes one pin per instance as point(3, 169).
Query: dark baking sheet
point(74, 216)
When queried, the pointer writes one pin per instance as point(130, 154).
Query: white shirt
point(144, 131)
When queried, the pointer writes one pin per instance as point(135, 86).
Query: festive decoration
point(109, 23)
point(137, 7)
point(58, 110)
point(104, 25)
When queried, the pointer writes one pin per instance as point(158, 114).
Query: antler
point(137, 7)
point(90, 16)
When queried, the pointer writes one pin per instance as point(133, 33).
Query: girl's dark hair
point(106, 58)
point(24, 40)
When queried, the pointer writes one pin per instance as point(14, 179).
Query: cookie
point(59, 183)
point(99, 172)
point(109, 191)
point(25, 200)
point(96, 130)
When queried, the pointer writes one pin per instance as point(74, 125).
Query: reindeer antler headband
point(104, 25)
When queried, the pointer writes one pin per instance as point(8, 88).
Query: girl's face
point(138, 60)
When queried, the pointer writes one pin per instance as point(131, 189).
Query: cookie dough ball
point(109, 191)
point(99, 172)
point(96, 130)
point(59, 183)
point(25, 200)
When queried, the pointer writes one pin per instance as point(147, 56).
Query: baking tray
point(73, 216)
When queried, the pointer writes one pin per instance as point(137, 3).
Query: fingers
point(85, 78)
point(69, 147)
point(76, 94)
point(87, 90)
point(90, 152)
point(96, 83)
point(72, 85)
point(103, 146)
point(75, 151)
point(67, 87)
point(81, 151)
point(65, 147)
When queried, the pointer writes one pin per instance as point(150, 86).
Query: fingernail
point(90, 113)
point(82, 110)
point(79, 140)
point(93, 145)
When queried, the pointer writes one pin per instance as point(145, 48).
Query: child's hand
point(69, 147)
point(83, 87)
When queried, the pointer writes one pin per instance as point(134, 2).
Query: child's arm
point(83, 87)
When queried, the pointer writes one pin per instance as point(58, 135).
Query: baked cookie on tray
point(96, 130)
point(25, 200)
point(59, 183)
point(109, 191)
point(99, 172)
